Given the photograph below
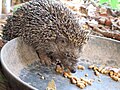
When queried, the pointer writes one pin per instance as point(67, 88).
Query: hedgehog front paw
point(44, 59)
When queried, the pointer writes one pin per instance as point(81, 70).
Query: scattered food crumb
point(113, 72)
point(80, 82)
point(91, 67)
point(97, 73)
point(59, 69)
point(86, 75)
point(81, 67)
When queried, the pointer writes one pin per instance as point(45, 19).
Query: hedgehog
point(51, 29)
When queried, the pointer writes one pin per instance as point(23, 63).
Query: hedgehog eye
point(67, 54)
point(50, 52)
point(63, 41)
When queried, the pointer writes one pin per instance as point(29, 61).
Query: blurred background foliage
point(115, 4)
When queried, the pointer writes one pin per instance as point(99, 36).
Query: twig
point(106, 33)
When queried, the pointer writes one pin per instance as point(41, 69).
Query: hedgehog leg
point(44, 59)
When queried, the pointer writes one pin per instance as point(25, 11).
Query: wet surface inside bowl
point(35, 72)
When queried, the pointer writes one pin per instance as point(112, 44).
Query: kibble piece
point(103, 71)
point(115, 78)
point(77, 79)
point(95, 68)
point(111, 73)
point(59, 69)
point(96, 73)
point(119, 75)
point(91, 66)
point(81, 85)
point(73, 80)
point(84, 82)
point(101, 68)
point(81, 67)
point(86, 75)
point(115, 74)
point(87, 81)
point(106, 72)
point(67, 75)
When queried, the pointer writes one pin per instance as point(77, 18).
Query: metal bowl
point(17, 57)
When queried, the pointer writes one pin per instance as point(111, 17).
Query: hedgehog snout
point(70, 62)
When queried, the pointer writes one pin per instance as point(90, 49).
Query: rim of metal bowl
point(10, 72)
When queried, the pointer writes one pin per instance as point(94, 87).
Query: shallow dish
point(21, 65)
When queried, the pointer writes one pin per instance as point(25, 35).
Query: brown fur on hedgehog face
point(64, 51)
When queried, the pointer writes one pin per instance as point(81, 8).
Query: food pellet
point(91, 67)
point(96, 73)
point(86, 75)
point(81, 67)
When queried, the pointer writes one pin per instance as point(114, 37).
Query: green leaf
point(115, 4)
